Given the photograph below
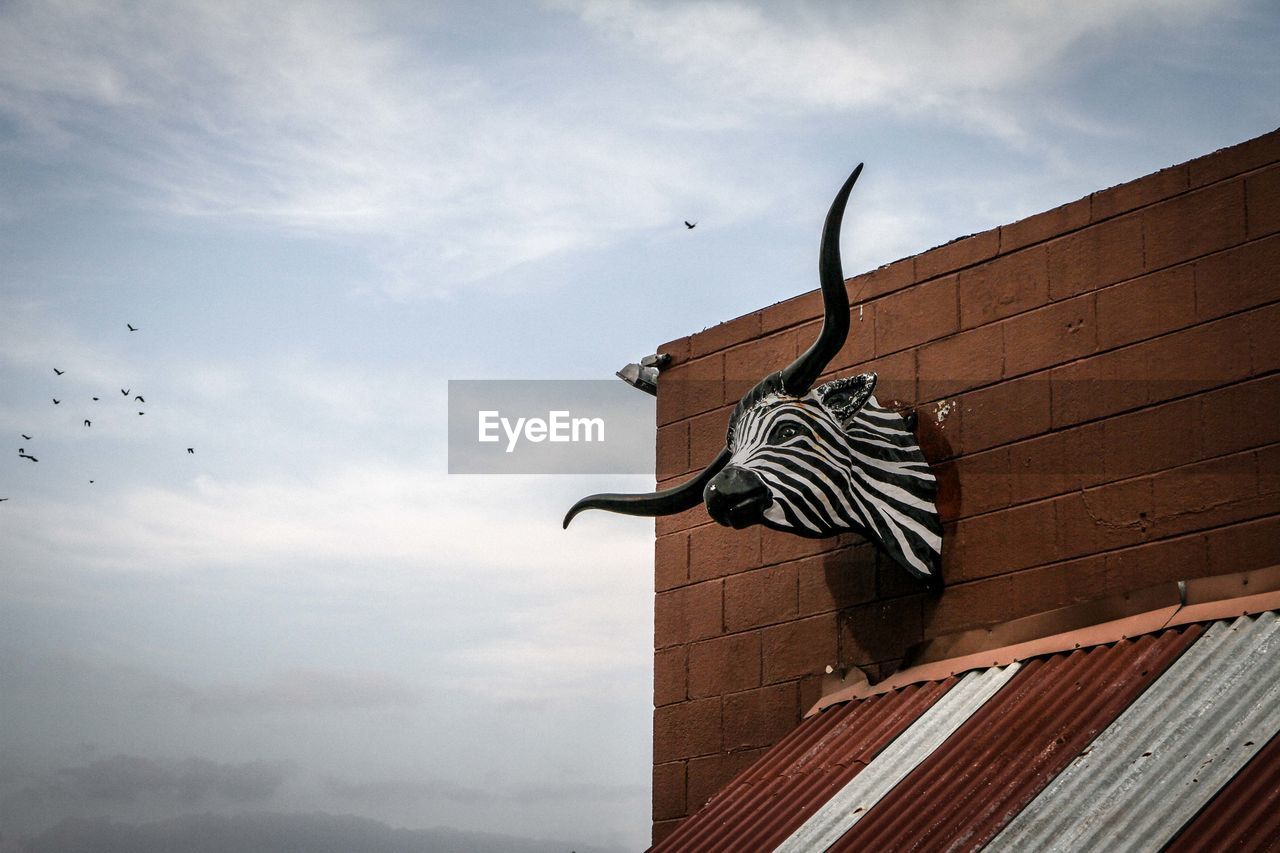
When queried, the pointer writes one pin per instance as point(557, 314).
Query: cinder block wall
point(1098, 392)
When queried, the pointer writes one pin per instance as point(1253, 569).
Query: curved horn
point(799, 377)
point(667, 502)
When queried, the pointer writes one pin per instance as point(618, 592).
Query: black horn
point(799, 377)
point(666, 502)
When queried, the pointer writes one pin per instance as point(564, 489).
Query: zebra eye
point(786, 431)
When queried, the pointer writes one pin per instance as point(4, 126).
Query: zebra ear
point(844, 397)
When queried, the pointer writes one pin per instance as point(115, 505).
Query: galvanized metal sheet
point(1166, 756)
point(898, 759)
point(1014, 745)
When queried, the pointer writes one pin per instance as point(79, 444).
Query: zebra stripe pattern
point(833, 468)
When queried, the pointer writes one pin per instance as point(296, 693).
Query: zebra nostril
point(737, 497)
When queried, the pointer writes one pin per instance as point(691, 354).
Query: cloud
point(325, 119)
point(315, 833)
point(304, 690)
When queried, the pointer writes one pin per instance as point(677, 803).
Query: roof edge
point(1091, 623)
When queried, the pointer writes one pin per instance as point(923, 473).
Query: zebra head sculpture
point(814, 461)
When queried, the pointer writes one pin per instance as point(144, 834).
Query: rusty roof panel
point(858, 798)
point(763, 804)
point(1244, 815)
point(1169, 753)
point(1014, 745)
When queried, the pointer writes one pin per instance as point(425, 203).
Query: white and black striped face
point(830, 462)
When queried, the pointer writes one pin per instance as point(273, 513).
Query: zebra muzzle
point(737, 497)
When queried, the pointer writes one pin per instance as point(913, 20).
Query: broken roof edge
point(1092, 623)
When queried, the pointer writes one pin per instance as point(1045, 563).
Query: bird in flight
point(56, 401)
point(22, 455)
point(59, 372)
point(124, 392)
point(95, 398)
point(142, 413)
point(690, 225)
point(3, 499)
point(139, 399)
point(86, 422)
point(27, 437)
point(191, 450)
point(131, 328)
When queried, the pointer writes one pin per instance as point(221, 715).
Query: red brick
point(724, 665)
point(799, 648)
point(957, 254)
point(726, 334)
point(1042, 226)
point(716, 551)
point(760, 718)
point(747, 364)
point(1005, 286)
point(707, 433)
point(968, 605)
point(688, 613)
point(1104, 518)
point(673, 450)
point(1148, 189)
point(836, 580)
point(982, 547)
point(1152, 439)
point(1146, 307)
point(1262, 201)
point(981, 483)
point(678, 349)
point(1241, 416)
point(1198, 358)
point(671, 561)
point(663, 829)
point(779, 547)
point(961, 362)
point(689, 388)
point(1157, 562)
point(1239, 278)
point(669, 791)
point(1051, 335)
point(1207, 494)
point(1058, 585)
point(1269, 470)
point(1193, 225)
point(1245, 547)
point(761, 597)
point(921, 313)
point(1264, 339)
point(1100, 255)
point(709, 775)
point(1226, 162)
point(685, 730)
point(858, 348)
point(670, 675)
point(791, 312)
point(1045, 466)
point(880, 631)
point(1105, 384)
point(999, 414)
point(689, 518)
point(882, 280)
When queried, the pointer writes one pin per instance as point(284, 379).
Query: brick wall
point(1098, 393)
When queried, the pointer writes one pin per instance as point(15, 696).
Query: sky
point(315, 215)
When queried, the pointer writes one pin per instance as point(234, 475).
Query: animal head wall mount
point(814, 461)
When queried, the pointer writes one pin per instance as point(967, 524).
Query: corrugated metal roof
point(1010, 749)
point(864, 791)
point(1166, 756)
point(1113, 747)
point(767, 801)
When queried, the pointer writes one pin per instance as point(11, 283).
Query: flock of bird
point(138, 398)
